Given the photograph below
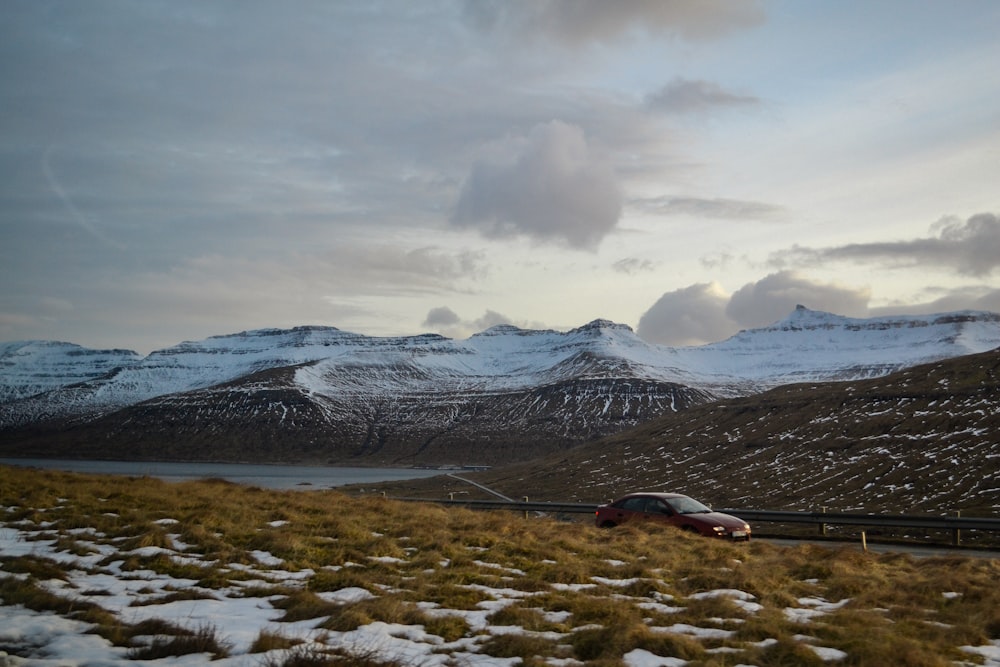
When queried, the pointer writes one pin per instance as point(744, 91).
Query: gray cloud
point(946, 300)
point(212, 293)
point(689, 316)
point(166, 112)
point(442, 316)
point(176, 169)
point(579, 22)
point(684, 96)
point(970, 248)
point(11, 322)
point(775, 296)
point(704, 313)
point(733, 209)
point(408, 269)
point(490, 318)
point(448, 323)
point(548, 186)
point(718, 260)
point(632, 266)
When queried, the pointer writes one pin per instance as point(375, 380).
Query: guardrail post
point(822, 526)
point(526, 511)
point(864, 542)
point(956, 533)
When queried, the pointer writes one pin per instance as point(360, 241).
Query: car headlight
point(746, 527)
point(719, 529)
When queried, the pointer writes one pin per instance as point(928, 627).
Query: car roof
point(656, 494)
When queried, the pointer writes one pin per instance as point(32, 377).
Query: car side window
point(658, 506)
point(634, 504)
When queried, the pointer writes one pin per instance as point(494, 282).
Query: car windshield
point(687, 506)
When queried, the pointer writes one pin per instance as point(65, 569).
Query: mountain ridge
point(503, 394)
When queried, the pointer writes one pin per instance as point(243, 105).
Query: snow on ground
point(643, 658)
point(990, 653)
point(95, 574)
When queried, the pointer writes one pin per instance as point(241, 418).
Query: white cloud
point(549, 186)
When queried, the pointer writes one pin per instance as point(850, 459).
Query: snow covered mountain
point(321, 394)
point(34, 367)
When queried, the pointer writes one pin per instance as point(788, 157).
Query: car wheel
point(690, 529)
point(608, 524)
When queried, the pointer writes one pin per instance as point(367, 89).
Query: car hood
point(728, 521)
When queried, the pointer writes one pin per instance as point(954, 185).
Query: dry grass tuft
point(528, 618)
point(271, 641)
point(350, 616)
point(518, 646)
point(33, 567)
point(204, 639)
point(609, 642)
point(304, 605)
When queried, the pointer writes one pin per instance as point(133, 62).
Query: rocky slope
point(921, 440)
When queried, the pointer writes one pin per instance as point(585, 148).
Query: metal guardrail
point(513, 506)
point(879, 520)
point(956, 524)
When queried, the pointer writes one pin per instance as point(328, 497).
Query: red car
point(673, 509)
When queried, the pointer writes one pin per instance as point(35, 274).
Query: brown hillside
point(924, 440)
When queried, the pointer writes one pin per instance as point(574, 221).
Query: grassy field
point(149, 570)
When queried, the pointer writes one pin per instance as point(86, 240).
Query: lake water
point(264, 476)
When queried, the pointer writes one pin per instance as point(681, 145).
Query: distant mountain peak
point(595, 326)
point(806, 317)
point(274, 331)
point(502, 330)
point(512, 330)
point(601, 324)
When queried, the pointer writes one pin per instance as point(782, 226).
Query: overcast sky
point(171, 170)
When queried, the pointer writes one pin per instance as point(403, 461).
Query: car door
point(658, 510)
point(630, 509)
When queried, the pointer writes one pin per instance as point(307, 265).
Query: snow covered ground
point(95, 572)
